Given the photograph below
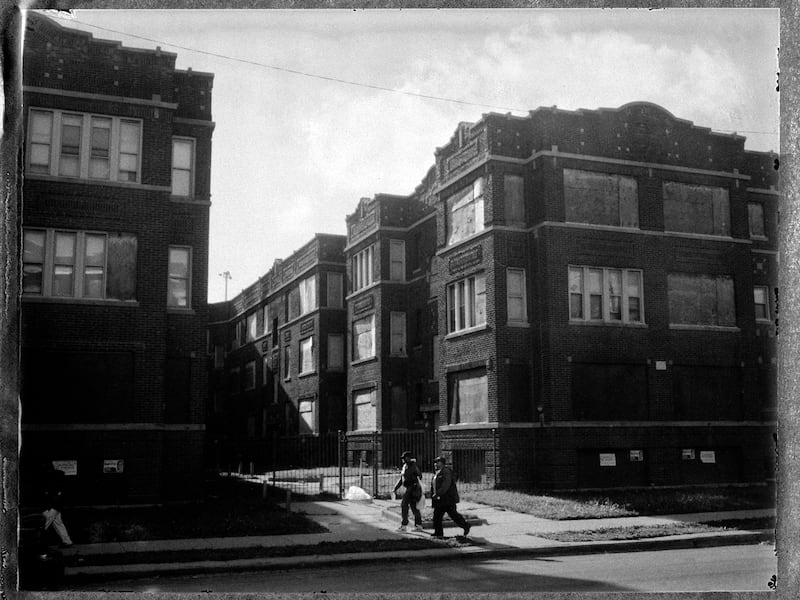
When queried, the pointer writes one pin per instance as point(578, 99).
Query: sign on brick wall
point(464, 260)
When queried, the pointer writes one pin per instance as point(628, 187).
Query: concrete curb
point(316, 560)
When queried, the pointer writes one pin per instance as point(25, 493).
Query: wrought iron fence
point(332, 463)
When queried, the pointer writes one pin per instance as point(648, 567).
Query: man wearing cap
point(410, 477)
point(444, 497)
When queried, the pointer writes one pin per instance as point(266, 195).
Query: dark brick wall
point(162, 463)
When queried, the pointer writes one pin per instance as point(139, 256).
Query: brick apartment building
point(573, 299)
point(278, 366)
point(115, 259)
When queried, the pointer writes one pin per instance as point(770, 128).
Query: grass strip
point(624, 503)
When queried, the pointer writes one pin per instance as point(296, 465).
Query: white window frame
point(335, 287)
point(371, 338)
point(307, 288)
point(522, 297)
point(469, 293)
point(397, 260)
point(249, 382)
point(468, 205)
point(397, 333)
point(184, 169)
point(80, 263)
point(187, 279)
point(765, 290)
point(336, 348)
point(305, 352)
point(363, 268)
point(267, 323)
point(84, 156)
point(605, 295)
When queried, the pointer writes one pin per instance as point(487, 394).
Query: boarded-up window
point(335, 352)
point(755, 215)
point(465, 212)
point(399, 408)
point(601, 198)
point(364, 338)
point(178, 389)
point(77, 387)
point(696, 209)
point(121, 280)
point(293, 301)
point(468, 396)
point(603, 392)
point(519, 392)
point(701, 299)
point(306, 410)
point(703, 392)
point(514, 199)
point(364, 414)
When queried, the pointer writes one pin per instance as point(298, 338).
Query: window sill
point(763, 321)
point(518, 324)
point(465, 240)
point(82, 301)
point(723, 328)
point(174, 310)
point(398, 355)
point(581, 323)
point(463, 332)
point(362, 361)
point(306, 374)
point(759, 238)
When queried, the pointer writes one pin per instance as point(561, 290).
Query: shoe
point(401, 528)
point(437, 536)
point(467, 527)
point(418, 528)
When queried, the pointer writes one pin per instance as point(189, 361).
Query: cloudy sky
point(294, 151)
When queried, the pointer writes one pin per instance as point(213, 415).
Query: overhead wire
point(336, 79)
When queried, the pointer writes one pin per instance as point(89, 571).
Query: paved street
point(727, 568)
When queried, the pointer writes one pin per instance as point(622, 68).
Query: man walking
point(444, 497)
point(410, 477)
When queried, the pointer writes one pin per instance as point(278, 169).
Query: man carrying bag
point(410, 477)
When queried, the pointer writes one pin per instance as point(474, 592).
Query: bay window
point(83, 146)
point(78, 264)
point(699, 209)
point(182, 166)
point(464, 212)
point(468, 396)
point(466, 303)
point(362, 274)
point(515, 296)
point(306, 363)
point(605, 295)
point(364, 338)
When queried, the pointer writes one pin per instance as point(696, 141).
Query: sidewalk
point(500, 533)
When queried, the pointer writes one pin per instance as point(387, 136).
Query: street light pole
point(226, 275)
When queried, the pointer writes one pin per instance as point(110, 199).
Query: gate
point(329, 464)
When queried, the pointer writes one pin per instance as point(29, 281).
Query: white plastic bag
point(356, 493)
point(421, 502)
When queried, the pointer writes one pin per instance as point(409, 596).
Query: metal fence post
point(374, 464)
point(340, 439)
point(494, 456)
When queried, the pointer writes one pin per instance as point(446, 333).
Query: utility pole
point(226, 275)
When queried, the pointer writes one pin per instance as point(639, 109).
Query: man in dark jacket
point(444, 497)
point(410, 477)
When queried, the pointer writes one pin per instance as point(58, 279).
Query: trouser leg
point(438, 515)
point(417, 515)
point(404, 509)
point(53, 517)
point(457, 517)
